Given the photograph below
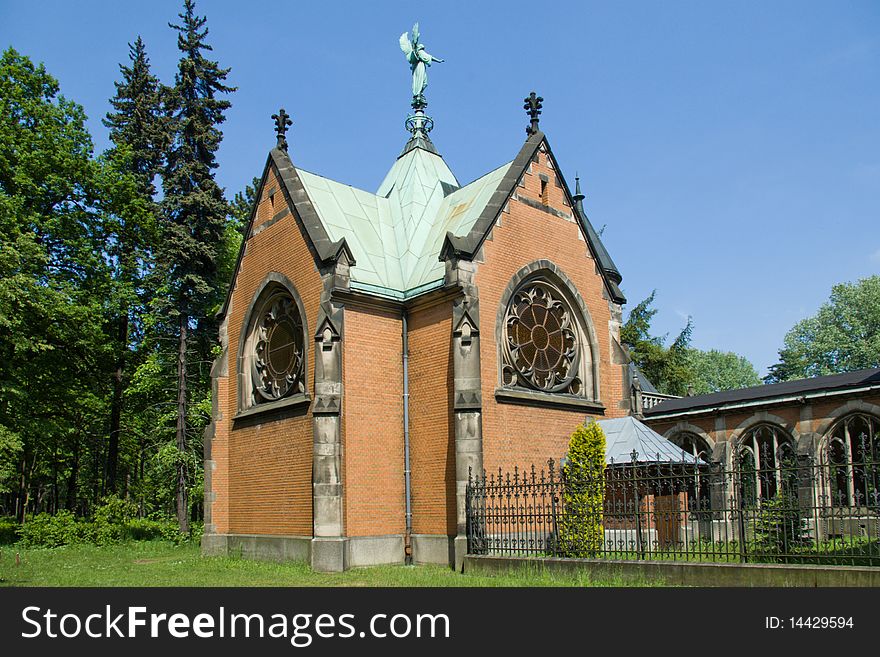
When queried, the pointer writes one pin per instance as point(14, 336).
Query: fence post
point(553, 522)
point(739, 507)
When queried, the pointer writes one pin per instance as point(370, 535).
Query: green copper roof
point(396, 233)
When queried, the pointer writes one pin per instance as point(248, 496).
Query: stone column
point(329, 549)
point(721, 492)
point(467, 397)
point(809, 482)
point(212, 543)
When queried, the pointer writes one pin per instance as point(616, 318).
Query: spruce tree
point(194, 212)
point(139, 132)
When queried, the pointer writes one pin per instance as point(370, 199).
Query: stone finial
point(533, 105)
point(282, 122)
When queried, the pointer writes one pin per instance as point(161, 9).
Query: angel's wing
point(405, 45)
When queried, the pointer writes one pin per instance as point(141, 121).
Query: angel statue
point(418, 59)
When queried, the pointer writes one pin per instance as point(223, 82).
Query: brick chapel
point(379, 346)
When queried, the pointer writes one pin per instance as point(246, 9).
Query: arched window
point(273, 348)
point(692, 444)
point(765, 462)
point(545, 344)
point(698, 488)
point(850, 455)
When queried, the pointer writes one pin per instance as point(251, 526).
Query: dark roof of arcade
point(833, 382)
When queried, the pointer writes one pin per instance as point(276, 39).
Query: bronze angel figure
point(419, 59)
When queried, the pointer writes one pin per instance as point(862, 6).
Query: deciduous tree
point(843, 336)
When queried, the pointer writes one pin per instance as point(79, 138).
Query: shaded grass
point(159, 563)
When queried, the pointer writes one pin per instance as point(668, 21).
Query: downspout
point(407, 473)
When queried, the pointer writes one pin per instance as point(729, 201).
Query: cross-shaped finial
point(282, 121)
point(533, 105)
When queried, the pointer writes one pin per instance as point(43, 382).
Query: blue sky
point(730, 149)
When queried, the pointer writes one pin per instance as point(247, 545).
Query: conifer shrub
point(780, 528)
point(581, 532)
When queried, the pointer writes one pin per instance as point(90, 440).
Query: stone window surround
point(590, 400)
point(747, 444)
point(824, 451)
point(273, 279)
point(695, 440)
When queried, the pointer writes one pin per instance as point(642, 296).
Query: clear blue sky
point(731, 149)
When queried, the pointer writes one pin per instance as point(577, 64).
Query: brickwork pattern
point(432, 436)
point(373, 423)
point(263, 472)
point(526, 435)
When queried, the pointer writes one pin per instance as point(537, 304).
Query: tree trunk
point(182, 505)
point(116, 407)
point(72, 478)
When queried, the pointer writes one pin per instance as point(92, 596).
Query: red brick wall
point(432, 436)
point(526, 435)
point(263, 474)
point(373, 423)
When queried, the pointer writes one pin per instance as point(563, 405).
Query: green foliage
point(53, 280)
point(780, 528)
point(47, 530)
point(679, 368)
point(114, 522)
point(666, 367)
point(581, 532)
point(9, 531)
point(194, 211)
point(95, 276)
point(193, 248)
point(714, 371)
point(843, 336)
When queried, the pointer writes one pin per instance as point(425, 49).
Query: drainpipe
point(407, 473)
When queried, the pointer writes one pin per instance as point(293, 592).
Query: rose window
point(278, 347)
point(541, 346)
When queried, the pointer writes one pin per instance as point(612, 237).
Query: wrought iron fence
point(770, 507)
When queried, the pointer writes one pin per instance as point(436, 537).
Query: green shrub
point(780, 528)
point(111, 519)
point(47, 530)
point(9, 531)
point(148, 529)
point(581, 532)
point(115, 521)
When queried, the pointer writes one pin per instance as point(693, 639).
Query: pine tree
point(137, 121)
point(139, 132)
point(194, 212)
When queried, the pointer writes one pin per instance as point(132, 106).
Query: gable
point(279, 194)
point(536, 163)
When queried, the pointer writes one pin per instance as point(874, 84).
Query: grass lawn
point(158, 563)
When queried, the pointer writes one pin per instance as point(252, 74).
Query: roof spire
point(533, 105)
point(282, 121)
point(578, 198)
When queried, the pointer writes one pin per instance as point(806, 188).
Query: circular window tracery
point(278, 348)
point(542, 347)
